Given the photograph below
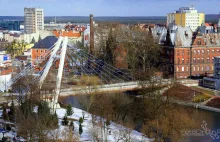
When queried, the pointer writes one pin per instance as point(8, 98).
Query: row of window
point(198, 52)
point(183, 52)
point(199, 68)
point(203, 52)
point(41, 51)
point(195, 60)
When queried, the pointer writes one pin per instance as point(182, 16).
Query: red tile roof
point(207, 24)
point(66, 33)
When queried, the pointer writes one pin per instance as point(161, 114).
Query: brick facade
point(197, 60)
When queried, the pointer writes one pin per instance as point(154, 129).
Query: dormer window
point(212, 41)
point(186, 34)
point(199, 42)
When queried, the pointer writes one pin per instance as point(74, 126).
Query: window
point(177, 69)
point(198, 68)
point(37, 51)
point(182, 60)
point(194, 60)
point(207, 51)
point(212, 67)
point(202, 68)
point(202, 60)
point(183, 52)
point(198, 42)
point(213, 51)
point(212, 59)
point(182, 68)
point(187, 52)
point(178, 61)
point(207, 68)
point(218, 52)
point(203, 52)
point(208, 60)
point(187, 68)
point(178, 53)
point(194, 68)
point(198, 60)
point(194, 52)
point(187, 60)
point(199, 52)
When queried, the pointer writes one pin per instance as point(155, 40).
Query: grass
point(209, 92)
point(200, 98)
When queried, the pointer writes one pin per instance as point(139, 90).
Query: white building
point(186, 17)
point(33, 20)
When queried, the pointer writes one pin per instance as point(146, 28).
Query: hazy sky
point(106, 7)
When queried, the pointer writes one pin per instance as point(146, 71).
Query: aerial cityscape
point(109, 71)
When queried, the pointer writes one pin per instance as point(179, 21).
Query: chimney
point(91, 48)
point(218, 26)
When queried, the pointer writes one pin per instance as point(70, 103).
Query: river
point(201, 117)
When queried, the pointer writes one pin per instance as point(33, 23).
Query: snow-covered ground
point(90, 130)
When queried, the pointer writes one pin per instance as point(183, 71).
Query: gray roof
point(183, 36)
point(205, 30)
point(46, 43)
point(159, 34)
point(212, 39)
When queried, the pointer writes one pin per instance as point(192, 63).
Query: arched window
point(182, 60)
point(208, 60)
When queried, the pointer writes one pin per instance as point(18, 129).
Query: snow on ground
point(117, 131)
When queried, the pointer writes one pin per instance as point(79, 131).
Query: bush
point(65, 121)
point(80, 129)
point(69, 110)
point(80, 120)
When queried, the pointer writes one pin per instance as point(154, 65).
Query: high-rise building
point(33, 20)
point(186, 17)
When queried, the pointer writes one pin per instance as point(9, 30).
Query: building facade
point(189, 54)
point(10, 25)
point(186, 17)
point(33, 20)
point(39, 50)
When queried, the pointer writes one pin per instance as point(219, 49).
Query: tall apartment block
point(186, 17)
point(33, 20)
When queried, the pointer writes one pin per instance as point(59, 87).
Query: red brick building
point(193, 53)
point(40, 49)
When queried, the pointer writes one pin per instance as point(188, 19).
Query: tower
point(218, 27)
point(91, 48)
point(33, 20)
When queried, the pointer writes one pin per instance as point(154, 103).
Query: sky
point(106, 7)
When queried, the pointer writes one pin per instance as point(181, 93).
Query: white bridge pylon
point(60, 73)
point(50, 61)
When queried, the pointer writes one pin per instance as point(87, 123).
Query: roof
point(159, 33)
point(22, 58)
point(207, 24)
point(46, 43)
point(212, 39)
point(67, 33)
point(183, 36)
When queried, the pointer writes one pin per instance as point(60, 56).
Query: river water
point(206, 120)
